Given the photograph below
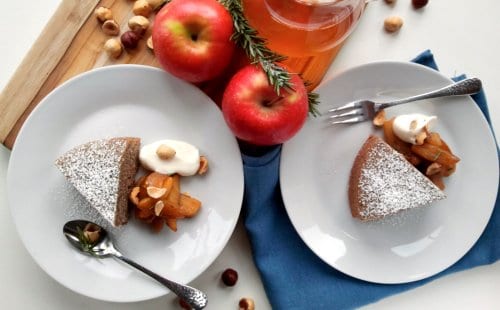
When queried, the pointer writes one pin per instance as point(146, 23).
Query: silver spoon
point(92, 239)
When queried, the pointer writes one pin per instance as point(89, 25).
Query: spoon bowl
point(94, 240)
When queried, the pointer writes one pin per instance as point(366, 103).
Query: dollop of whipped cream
point(408, 126)
point(185, 161)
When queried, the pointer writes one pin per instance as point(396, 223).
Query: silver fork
point(362, 110)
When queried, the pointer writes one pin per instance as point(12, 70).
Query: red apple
point(256, 114)
point(191, 39)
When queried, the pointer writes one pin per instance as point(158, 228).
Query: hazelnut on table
point(103, 14)
point(138, 24)
point(393, 23)
point(130, 39)
point(111, 27)
point(142, 7)
point(113, 47)
point(246, 304)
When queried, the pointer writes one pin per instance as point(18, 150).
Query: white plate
point(123, 100)
point(315, 168)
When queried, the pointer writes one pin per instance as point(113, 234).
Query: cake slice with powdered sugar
point(103, 172)
point(383, 182)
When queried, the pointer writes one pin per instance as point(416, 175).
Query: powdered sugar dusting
point(94, 169)
point(389, 183)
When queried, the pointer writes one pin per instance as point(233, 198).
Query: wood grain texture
point(40, 61)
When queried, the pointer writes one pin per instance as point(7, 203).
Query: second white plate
point(412, 245)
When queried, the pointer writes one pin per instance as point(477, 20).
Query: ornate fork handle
point(465, 87)
point(194, 297)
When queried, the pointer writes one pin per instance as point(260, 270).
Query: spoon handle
point(194, 297)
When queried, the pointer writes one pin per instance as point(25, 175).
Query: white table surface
point(464, 37)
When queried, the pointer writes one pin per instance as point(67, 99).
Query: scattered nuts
point(419, 140)
point(184, 304)
point(393, 23)
point(155, 192)
point(91, 232)
point(138, 24)
point(165, 152)
point(130, 39)
point(417, 4)
point(433, 169)
point(413, 124)
point(111, 27)
point(246, 304)
point(113, 48)
point(158, 207)
point(229, 277)
point(142, 7)
point(103, 14)
point(134, 195)
point(149, 43)
point(203, 165)
point(155, 4)
point(379, 118)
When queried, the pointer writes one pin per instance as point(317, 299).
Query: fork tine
point(350, 105)
point(350, 113)
point(351, 120)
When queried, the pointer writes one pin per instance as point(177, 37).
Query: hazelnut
point(184, 304)
point(103, 14)
point(113, 48)
point(142, 7)
point(130, 39)
point(229, 277)
point(91, 232)
point(156, 4)
point(393, 23)
point(149, 42)
point(138, 24)
point(110, 27)
point(420, 138)
point(390, 1)
point(246, 304)
point(417, 4)
point(165, 152)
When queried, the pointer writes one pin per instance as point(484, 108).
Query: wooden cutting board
point(71, 43)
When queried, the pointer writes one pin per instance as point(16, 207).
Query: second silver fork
point(363, 110)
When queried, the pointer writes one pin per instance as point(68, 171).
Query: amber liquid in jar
point(309, 32)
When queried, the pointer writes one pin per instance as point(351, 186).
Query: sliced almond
point(134, 195)
point(433, 169)
point(155, 192)
point(159, 207)
point(379, 118)
point(203, 165)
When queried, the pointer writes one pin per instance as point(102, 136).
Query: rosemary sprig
point(258, 52)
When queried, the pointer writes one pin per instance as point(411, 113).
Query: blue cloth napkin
point(293, 276)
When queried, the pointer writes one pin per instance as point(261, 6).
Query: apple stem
point(272, 102)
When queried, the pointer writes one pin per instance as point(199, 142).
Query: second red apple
point(256, 114)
